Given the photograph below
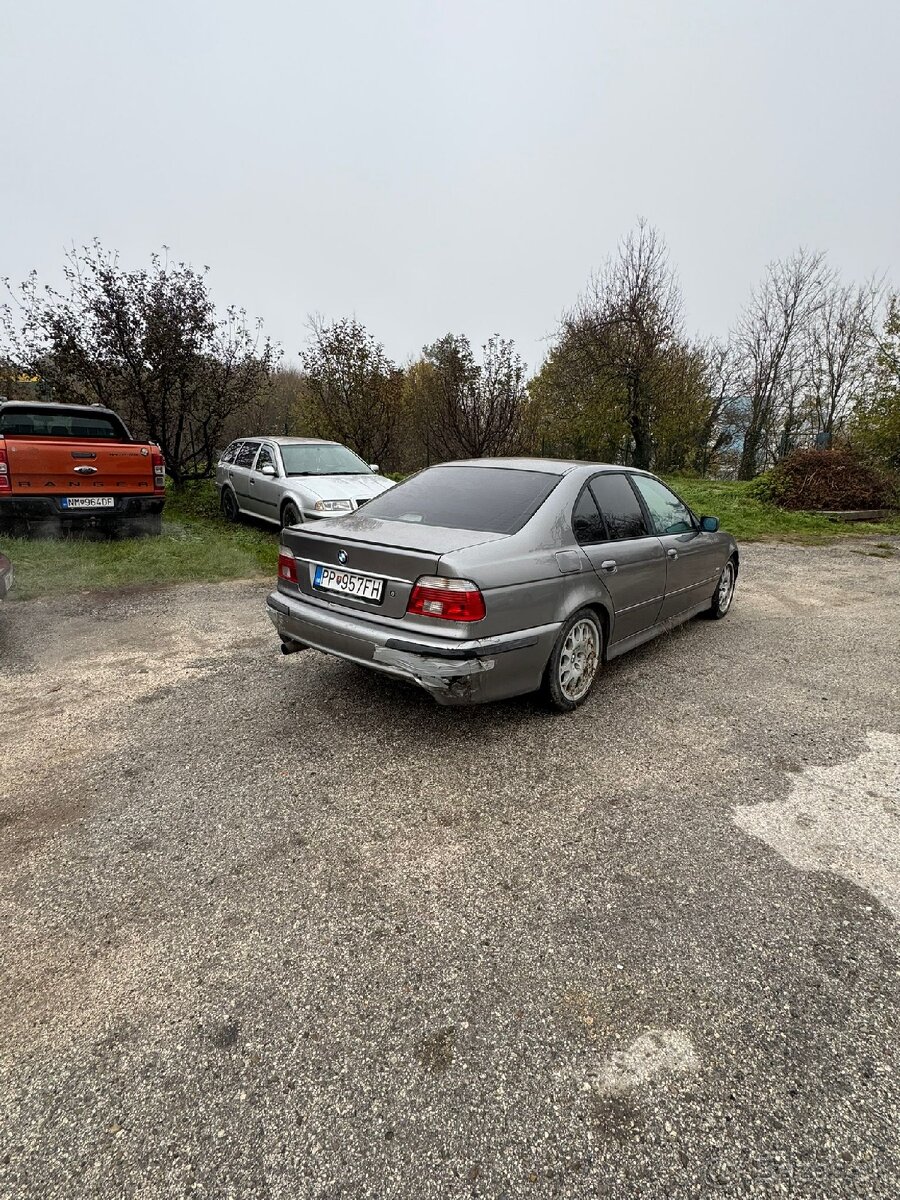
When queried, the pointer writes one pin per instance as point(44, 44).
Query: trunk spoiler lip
point(329, 536)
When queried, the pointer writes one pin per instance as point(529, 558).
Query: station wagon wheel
point(229, 505)
point(290, 515)
point(724, 593)
point(575, 661)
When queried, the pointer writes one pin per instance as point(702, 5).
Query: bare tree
point(777, 318)
point(626, 320)
point(353, 389)
point(477, 407)
point(148, 343)
point(722, 418)
point(839, 349)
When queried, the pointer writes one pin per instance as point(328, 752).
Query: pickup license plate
point(348, 583)
point(88, 502)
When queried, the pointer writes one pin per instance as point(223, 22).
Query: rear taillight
point(287, 565)
point(5, 485)
point(447, 599)
point(159, 469)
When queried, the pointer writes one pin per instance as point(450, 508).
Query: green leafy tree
point(148, 343)
point(473, 409)
point(876, 420)
point(623, 325)
point(353, 392)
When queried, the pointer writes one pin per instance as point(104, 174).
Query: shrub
point(826, 479)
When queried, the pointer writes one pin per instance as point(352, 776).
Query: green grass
point(197, 545)
point(751, 520)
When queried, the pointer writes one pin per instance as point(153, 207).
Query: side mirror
point(709, 524)
point(373, 467)
point(268, 469)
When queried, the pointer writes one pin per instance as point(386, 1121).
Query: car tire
point(291, 515)
point(720, 605)
point(229, 505)
point(575, 661)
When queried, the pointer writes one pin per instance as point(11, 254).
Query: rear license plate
point(88, 502)
point(347, 583)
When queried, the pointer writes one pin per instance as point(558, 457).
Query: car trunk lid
point(394, 551)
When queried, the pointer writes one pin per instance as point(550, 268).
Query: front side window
point(246, 454)
point(667, 512)
point(619, 505)
point(485, 499)
point(586, 520)
point(325, 459)
point(265, 458)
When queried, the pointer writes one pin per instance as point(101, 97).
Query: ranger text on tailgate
point(65, 465)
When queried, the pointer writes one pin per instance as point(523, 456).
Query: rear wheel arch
point(605, 623)
point(227, 498)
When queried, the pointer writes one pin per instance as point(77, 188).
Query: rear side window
point(619, 505)
point(246, 454)
point(487, 499)
point(229, 454)
point(586, 520)
point(43, 422)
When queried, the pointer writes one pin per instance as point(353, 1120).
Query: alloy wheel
point(726, 588)
point(579, 660)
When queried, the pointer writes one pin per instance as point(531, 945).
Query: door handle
point(609, 565)
point(251, 483)
point(672, 553)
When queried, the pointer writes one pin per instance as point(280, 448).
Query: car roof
point(550, 466)
point(286, 441)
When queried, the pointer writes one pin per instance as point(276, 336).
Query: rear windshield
point(42, 422)
point(486, 499)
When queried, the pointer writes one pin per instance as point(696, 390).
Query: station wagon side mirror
point(268, 469)
point(709, 524)
point(373, 467)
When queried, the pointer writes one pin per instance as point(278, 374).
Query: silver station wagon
point(493, 578)
point(289, 480)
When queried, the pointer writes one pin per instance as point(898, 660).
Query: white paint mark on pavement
point(843, 818)
point(656, 1052)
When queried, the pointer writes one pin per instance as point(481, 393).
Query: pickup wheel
point(230, 510)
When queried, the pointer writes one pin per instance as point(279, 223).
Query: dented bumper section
point(466, 672)
point(453, 676)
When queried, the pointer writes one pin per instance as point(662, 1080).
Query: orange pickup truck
point(66, 465)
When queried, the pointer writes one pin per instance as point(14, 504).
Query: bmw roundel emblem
point(342, 556)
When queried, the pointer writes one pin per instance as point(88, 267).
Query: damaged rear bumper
point(454, 672)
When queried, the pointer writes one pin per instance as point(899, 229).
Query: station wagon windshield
point(485, 499)
point(322, 460)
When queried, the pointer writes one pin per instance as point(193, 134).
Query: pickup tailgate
point(69, 467)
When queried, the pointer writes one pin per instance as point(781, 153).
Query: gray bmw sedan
point(491, 578)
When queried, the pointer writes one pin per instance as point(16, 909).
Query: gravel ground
point(277, 928)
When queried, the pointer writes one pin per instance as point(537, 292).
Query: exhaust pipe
point(292, 647)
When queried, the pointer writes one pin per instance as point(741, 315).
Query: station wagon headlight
point(333, 505)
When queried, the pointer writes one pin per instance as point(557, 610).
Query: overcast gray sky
point(457, 166)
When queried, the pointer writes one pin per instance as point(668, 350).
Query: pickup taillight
point(159, 469)
point(5, 484)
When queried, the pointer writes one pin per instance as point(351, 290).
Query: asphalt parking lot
point(276, 928)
